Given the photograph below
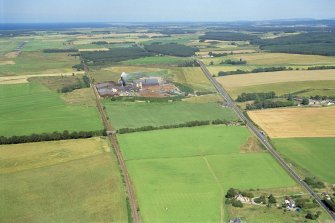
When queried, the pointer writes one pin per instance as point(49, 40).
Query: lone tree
point(305, 101)
point(272, 199)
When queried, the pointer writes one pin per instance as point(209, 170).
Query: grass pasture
point(185, 180)
point(316, 155)
point(62, 181)
point(206, 140)
point(39, 63)
point(138, 114)
point(296, 122)
point(33, 108)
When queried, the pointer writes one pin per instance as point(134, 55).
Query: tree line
point(256, 70)
point(182, 125)
point(228, 36)
point(54, 136)
point(234, 62)
point(72, 50)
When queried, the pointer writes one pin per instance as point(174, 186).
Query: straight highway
point(262, 138)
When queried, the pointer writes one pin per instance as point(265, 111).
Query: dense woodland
point(319, 43)
point(114, 55)
point(172, 49)
point(227, 36)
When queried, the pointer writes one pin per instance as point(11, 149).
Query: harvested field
point(24, 78)
point(296, 122)
point(241, 80)
point(7, 62)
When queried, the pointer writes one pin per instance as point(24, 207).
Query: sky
point(31, 11)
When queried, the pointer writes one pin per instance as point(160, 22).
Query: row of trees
point(234, 62)
point(256, 70)
point(256, 96)
point(182, 125)
point(72, 50)
point(54, 136)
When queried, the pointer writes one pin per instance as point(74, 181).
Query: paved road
point(261, 137)
point(112, 137)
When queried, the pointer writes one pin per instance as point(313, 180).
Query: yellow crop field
point(296, 122)
point(275, 77)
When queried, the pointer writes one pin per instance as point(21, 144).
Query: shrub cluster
point(256, 96)
point(84, 83)
point(234, 62)
point(313, 182)
point(50, 136)
point(190, 63)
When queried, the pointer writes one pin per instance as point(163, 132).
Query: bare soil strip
point(24, 78)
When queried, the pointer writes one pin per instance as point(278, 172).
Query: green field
point(207, 140)
point(301, 88)
point(314, 155)
point(138, 114)
point(32, 108)
point(63, 181)
point(182, 181)
point(39, 63)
